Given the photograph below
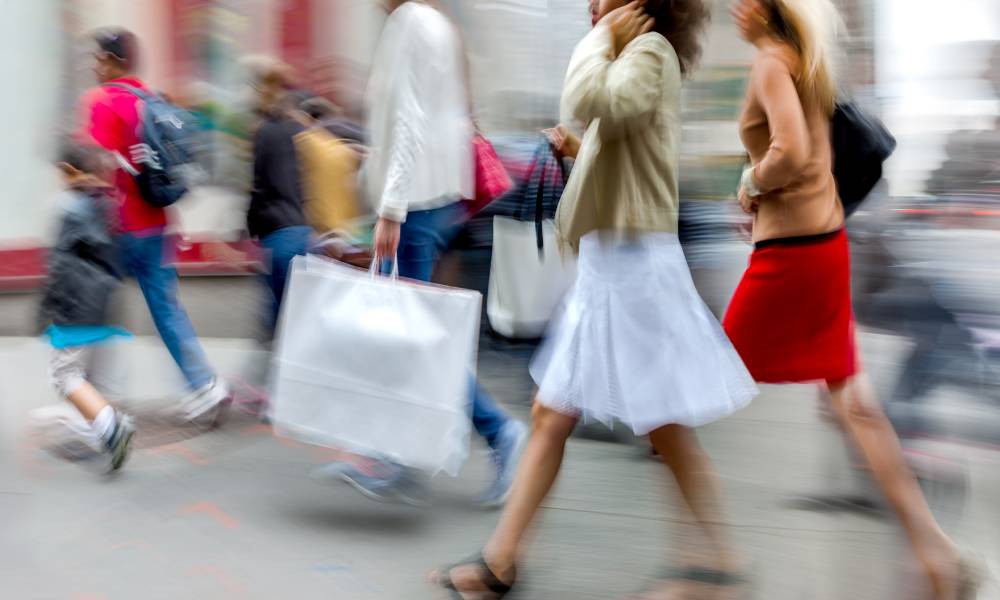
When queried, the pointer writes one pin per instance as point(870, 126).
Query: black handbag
point(861, 143)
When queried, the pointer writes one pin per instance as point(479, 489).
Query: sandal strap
point(491, 580)
point(705, 575)
point(486, 575)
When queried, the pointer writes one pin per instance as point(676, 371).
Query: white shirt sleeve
point(407, 121)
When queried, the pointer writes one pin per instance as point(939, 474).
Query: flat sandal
point(487, 577)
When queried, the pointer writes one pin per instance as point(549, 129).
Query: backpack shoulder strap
point(130, 89)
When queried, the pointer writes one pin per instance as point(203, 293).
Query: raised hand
point(627, 23)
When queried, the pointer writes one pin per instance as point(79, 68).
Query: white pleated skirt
point(633, 341)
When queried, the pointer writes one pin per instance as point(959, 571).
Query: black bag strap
point(534, 181)
point(562, 167)
point(540, 209)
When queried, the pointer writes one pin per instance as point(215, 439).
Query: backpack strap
point(130, 89)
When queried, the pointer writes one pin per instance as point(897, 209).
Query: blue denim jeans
point(282, 246)
point(150, 259)
point(423, 237)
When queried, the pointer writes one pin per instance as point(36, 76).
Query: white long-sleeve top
point(421, 153)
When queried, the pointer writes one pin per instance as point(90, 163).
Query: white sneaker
point(203, 407)
point(65, 433)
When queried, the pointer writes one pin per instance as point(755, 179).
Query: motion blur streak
point(925, 262)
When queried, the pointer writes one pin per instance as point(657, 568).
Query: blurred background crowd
point(930, 73)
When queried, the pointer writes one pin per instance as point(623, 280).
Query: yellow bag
point(329, 174)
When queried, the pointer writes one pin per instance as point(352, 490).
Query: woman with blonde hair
point(634, 342)
point(791, 318)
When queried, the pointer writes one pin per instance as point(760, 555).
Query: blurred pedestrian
point(111, 117)
point(276, 217)
point(419, 170)
point(84, 272)
point(329, 164)
point(634, 342)
point(329, 116)
point(790, 317)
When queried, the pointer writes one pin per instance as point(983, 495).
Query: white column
point(30, 64)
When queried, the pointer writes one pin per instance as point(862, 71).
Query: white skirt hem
point(633, 342)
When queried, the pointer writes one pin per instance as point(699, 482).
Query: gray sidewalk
point(234, 514)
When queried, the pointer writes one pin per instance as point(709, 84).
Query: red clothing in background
point(111, 119)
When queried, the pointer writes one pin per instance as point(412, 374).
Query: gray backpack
point(167, 150)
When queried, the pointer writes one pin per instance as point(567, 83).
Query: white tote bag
point(525, 286)
point(375, 365)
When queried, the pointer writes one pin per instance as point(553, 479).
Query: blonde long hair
point(811, 27)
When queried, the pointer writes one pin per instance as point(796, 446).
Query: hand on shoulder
point(628, 22)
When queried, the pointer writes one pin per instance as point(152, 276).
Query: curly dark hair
point(682, 23)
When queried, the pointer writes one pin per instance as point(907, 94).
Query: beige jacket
point(789, 146)
point(625, 176)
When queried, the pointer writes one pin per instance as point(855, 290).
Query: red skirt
point(791, 318)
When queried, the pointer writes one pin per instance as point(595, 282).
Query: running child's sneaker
point(119, 441)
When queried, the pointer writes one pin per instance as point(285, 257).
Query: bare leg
point(692, 470)
point(87, 400)
point(537, 473)
point(862, 417)
point(539, 467)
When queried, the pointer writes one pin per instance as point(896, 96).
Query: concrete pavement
point(234, 514)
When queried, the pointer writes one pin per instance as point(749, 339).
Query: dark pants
point(282, 246)
point(423, 237)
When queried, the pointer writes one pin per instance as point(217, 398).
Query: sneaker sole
point(196, 409)
point(414, 501)
point(395, 497)
point(121, 454)
point(210, 419)
point(367, 493)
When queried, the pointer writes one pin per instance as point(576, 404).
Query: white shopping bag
point(374, 365)
point(525, 287)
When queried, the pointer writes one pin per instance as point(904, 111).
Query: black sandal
point(486, 577)
point(703, 575)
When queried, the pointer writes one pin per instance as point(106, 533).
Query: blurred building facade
point(900, 52)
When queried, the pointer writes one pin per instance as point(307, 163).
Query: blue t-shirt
point(69, 336)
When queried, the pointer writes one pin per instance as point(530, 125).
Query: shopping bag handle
point(374, 270)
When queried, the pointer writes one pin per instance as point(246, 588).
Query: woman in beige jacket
point(634, 343)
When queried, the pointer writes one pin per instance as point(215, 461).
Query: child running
point(83, 273)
